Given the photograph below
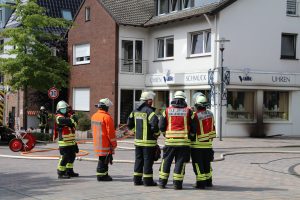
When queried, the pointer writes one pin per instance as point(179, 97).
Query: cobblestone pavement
point(242, 176)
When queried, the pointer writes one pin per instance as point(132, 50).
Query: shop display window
point(276, 106)
point(240, 106)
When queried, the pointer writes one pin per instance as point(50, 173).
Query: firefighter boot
point(104, 178)
point(137, 180)
point(71, 173)
point(162, 183)
point(209, 182)
point(62, 174)
point(177, 185)
point(200, 184)
point(149, 182)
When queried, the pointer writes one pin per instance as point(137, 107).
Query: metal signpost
point(53, 93)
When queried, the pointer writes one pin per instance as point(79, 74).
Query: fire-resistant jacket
point(205, 129)
point(178, 124)
point(104, 134)
point(145, 124)
point(65, 130)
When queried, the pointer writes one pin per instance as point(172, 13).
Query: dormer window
point(163, 6)
point(67, 15)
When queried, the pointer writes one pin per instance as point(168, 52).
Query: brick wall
point(101, 74)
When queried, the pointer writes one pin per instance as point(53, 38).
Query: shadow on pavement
point(243, 189)
point(29, 184)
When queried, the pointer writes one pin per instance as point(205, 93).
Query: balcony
point(130, 66)
point(292, 8)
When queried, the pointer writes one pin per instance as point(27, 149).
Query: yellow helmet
point(179, 95)
point(147, 96)
point(61, 104)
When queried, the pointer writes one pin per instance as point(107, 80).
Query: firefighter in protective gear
point(65, 125)
point(201, 146)
point(144, 123)
point(179, 126)
point(43, 118)
point(104, 138)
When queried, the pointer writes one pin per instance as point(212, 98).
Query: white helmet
point(196, 95)
point(105, 102)
point(201, 100)
point(147, 96)
point(61, 104)
point(179, 95)
point(42, 108)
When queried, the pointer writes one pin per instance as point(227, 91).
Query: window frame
point(204, 43)
point(287, 57)
point(276, 109)
point(86, 59)
point(87, 15)
point(237, 110)
point(296, 7)
point(164, 48)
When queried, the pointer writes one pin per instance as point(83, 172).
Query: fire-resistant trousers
point(102, 167)
point(201, 160)
point(182, 156)
point(68, 155)
point(143, 166)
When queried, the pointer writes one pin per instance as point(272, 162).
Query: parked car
point(6, 134)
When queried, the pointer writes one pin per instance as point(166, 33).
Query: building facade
point(171, 45)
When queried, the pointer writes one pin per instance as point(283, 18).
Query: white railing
point(292, 8)
point(131, 66)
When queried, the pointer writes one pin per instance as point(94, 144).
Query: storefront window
point(240, 106)
point(276, 105)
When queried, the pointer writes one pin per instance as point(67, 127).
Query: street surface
point(267, 176)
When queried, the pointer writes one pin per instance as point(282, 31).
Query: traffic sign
point(53, 93)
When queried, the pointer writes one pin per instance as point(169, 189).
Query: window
point(1, 18)
point(165, 47)
point(174, 5)
point(200, 42)
point(162, 6)
point(67, 15)
point(81, 99)
point(292, 7)
point(132, 56)
point(288, 46)
point(87, 13)
point(1, 46)
point(276, 105)
point(240, 106)
point(186, 4)
point(81, 54)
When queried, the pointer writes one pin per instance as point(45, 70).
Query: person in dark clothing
point(178, 125)
point(43, 118)
point(144, 123)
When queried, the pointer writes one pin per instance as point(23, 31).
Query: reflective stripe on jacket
point(144, 123)
point(177, 129)
point(104, 134)
point(64, 130)
point(205, 129)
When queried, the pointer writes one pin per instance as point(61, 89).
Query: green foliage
point(84, 122)
point(31, 63)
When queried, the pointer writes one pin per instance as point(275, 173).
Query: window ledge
point(198, 56)
point(77, 64)
point(165, 59)
point(283, 58)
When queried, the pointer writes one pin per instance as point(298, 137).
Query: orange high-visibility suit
point(104, 137)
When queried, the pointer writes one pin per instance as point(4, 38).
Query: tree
point(32, 63)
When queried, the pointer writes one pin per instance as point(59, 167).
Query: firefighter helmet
point(61, 104)
point(147, 96)
point(42, 108)
point(105, 102)
point(179, 95)
point(201, 100)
